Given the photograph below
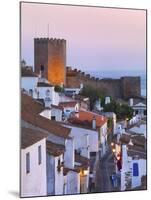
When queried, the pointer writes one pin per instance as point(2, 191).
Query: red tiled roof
point(29, 104)
point(86, 117)
point(46, 124)
point(55, 149)
point(68, 104)
point(30, 137)
point(30, 110)
point(137, 140)
point(57, 107)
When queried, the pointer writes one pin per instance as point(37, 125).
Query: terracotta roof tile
point(86, 117)
point(46, 124)
point(68, 104)
point(57, 107)
point(30, 137)
point(30, 110)
point(29, 104)
point(137, 140)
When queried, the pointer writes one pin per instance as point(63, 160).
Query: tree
point(92, 93)
point(58, 88)
point(122, 111)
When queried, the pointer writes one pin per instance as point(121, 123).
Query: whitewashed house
point(85, 139)
point(133, 161)
point(56, 113)
point(33, 162)
point(28, 80)
point(139, 106)
point(46, 90)
point(58, 136)
point(69, 107)
point(40, 157)
point(94, 122)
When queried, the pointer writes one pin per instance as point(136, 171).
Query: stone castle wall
point(125, 87)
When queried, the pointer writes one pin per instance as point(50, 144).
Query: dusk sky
point(97, 38)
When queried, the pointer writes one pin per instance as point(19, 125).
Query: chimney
point(94, 123)
point(131, 102)
point(107, 100)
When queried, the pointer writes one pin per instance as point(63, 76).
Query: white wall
point(79, 133)
point(59, 179)
point(73, 182)
point(29, 83)
point(68, 110)
point(69, 156)
point(136, 180)
point(46, 113)
point(57, 113)
point(103, 138)
point(34, 183)
point(50, 174)
point(83, 184)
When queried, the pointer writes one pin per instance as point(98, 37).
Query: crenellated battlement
point(117, 88)
point(53, 41)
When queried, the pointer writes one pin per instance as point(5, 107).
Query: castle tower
point(50, 59)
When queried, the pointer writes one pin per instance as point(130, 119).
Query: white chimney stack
point(131, 102)
point(107, 100)
point(93, 123)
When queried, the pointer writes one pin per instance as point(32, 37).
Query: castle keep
point(50, 59)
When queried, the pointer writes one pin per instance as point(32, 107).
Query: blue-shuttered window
point(135, 169)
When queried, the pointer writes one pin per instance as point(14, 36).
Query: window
point(42, 68)
point(53, 118)
point(39, 154)
point(31, 92)
point(47, 93)
point(27, 162)
point(135, 169)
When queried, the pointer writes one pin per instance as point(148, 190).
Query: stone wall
point(125, 87)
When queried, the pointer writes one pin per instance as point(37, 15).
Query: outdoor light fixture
point(84, 172)
point(118, 157)
point(112, 144)
point(113, 150)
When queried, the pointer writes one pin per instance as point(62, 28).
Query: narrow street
point(105, 169)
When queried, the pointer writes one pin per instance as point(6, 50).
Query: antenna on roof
point(35, 33)
point(48, 30)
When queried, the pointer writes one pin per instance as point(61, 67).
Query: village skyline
point(97, 38)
